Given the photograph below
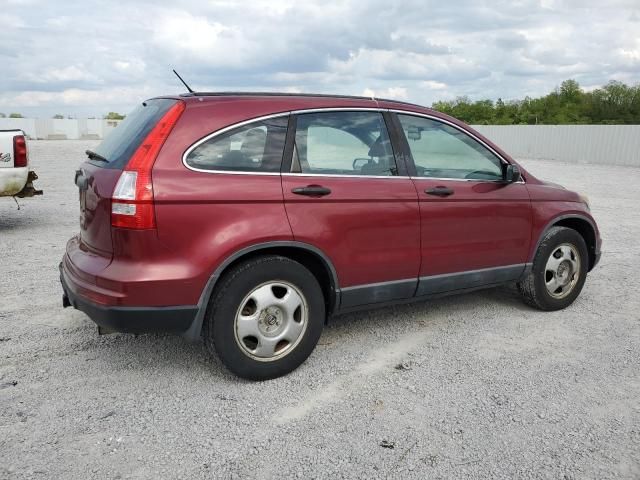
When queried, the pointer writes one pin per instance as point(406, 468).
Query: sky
point(89, 57)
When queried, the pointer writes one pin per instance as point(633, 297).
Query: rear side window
point(343, 143)
point(255, 147)
point(121, 143)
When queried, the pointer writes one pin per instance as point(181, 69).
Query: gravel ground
point(493, 389)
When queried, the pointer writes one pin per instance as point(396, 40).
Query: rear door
point(475, 228)
point(346, 195)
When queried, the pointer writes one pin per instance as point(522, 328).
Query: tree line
point(613, 104)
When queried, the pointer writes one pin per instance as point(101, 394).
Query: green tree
point(114, 116)
point(58, 116)
point(614, 103)
point(570, 91)
point(15, 115)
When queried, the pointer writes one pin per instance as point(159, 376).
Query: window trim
point(224, 130)
point(407, 150)
point(289, 145)
point(336, 175)
point(400, 165)
point(402, 157)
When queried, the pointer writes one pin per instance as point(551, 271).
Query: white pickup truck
point(16, 180)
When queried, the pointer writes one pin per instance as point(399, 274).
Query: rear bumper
point(12, 180)
point(175, 319)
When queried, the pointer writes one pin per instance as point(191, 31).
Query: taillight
point(20, 155)
point(132, 199)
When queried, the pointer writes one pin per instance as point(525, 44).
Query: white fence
point(61, 129)
point(604, 144)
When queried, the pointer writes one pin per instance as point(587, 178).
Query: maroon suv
point(250, 219)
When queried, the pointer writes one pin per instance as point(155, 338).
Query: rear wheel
point(266, 317)
point(559, 270)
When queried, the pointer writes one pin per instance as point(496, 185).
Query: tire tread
point(532, 295)
point(219, 344)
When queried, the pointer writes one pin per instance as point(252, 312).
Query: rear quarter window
point(123, 141)
point(255, 147)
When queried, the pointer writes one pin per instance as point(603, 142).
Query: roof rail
point(289, 94)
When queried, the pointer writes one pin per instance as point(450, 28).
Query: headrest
point(376, 149)
point(254, 142)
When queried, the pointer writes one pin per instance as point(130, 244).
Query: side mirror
point(512, 174)
point(358, 163)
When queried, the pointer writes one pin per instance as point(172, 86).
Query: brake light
point(20, 154)
point(132, 199)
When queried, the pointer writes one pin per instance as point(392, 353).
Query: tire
point(554, 283)
point(265, 317)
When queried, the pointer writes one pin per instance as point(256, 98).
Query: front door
point(476, 228)
point(346, 195)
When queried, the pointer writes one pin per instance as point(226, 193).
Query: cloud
point(183, 34)
point(58, 22)
point(71, 73)
point(96, 56)
point(417, 44)
point(9, 21)
point(76, 96)
point(396, 93)
point(630, 53)
point(433, 85)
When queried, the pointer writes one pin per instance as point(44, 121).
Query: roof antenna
point(183, 82)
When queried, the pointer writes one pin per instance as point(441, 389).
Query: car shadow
point(167, 354)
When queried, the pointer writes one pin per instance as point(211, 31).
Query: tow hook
point(29, 190)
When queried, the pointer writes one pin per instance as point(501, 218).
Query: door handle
point(439, 191)
point(312, 191)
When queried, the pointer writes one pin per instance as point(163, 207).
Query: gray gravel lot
point(494, 389)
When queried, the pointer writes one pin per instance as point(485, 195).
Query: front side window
point(255, 147)
point(343, 143)
point(442, 151)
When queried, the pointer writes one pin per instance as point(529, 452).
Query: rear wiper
point(95, 156)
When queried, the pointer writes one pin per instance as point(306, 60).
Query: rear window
point(120, 144)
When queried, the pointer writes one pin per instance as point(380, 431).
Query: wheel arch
point(581, 224)
point(308, 255)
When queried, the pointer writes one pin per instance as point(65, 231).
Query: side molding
point(377, 293)
point(416, 289)
point(449, 282)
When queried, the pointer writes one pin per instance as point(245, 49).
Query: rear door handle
point(439, 191)
point(312, 191)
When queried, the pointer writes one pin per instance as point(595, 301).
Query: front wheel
point(266, 317)
point(559, 270)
